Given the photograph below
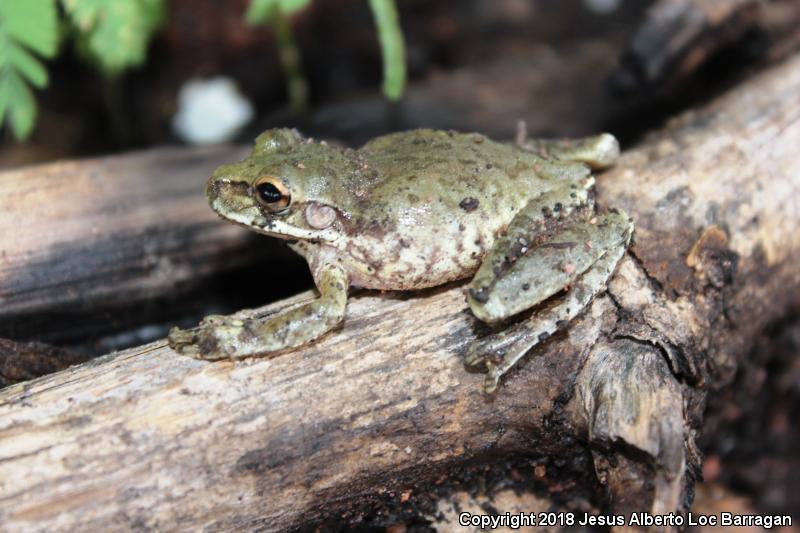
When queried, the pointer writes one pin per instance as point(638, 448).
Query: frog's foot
point(581, 259)
point(220, 337)
point(217, 337)
point(598, 151)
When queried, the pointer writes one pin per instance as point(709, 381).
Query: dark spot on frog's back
point(469, 204)
point(413, 198)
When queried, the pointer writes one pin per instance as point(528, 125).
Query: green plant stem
point(296, 83)
point(392, 46)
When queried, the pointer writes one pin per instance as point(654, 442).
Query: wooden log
point(21, 361)
point(118, 237)
point(677, 36)
point(148, 439)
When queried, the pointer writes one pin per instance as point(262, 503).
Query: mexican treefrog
point(417, 209)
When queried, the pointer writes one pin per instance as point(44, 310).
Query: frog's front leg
point(220, 337)
point(580, 258)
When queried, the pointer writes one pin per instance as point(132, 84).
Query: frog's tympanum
point(418, 209)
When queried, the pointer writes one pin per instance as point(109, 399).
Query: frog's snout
point(221, 188)
point(226, 195)
point(212, 189)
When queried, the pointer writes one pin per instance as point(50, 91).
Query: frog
point(417, 209)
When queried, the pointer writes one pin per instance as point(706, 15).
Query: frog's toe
point(481, 354)
point(199, 343)
point(183, 341)
point(179, 338)
point(488, 355)
point(492, 351)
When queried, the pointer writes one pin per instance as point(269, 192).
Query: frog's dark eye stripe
point(272, 193)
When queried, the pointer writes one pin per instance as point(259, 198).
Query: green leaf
point(28, 28)
point(392, 45)
point(117, 31)
point(261, 11)
point(28, 66)
point(22, 108)
point(31, 23)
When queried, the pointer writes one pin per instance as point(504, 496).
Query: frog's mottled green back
point(435, 202)
point(443, 169)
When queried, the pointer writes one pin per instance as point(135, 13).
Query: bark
point(677, 37)
point(21, 361)
point(119, 236)
point(147, 439)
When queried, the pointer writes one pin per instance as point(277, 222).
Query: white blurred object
point(602, 7)
point(210, 111)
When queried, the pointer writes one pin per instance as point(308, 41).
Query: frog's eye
point(272, 194)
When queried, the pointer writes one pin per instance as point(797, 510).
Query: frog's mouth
point(233, 201)
point(275, 227)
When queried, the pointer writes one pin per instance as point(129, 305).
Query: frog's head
point(288, 187)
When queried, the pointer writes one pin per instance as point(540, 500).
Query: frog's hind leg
point(581, 257)
point(598, 151)
point(500, 352)
point(490, 293)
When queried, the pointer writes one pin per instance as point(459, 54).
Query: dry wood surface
point(146, 439)
point(112, 241)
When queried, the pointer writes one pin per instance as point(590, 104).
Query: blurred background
point(199, 71)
